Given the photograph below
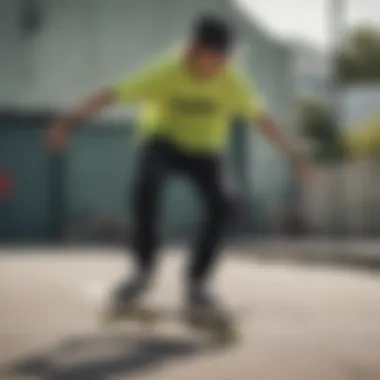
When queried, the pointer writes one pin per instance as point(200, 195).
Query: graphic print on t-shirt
point(193, 106)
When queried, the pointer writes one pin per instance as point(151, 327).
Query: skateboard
point(219, 330)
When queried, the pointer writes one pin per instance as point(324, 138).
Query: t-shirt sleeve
point(246, 100)
point(145, 86)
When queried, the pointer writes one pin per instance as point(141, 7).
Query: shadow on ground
point(102, 357)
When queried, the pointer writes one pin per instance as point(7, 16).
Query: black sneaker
point(205, 313)
point(202, 304)
point(128, 293)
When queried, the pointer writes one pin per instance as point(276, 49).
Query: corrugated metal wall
point(100, 171)
point(25, 215)
point(84, 44)
point(87, 188)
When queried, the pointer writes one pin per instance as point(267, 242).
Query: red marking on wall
point(6, 186)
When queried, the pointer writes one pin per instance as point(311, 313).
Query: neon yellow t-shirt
point(193, 113)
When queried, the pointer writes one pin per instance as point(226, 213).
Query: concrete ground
point(297, 323)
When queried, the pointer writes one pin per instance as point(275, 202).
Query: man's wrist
point(298, 158)
point(70, 122)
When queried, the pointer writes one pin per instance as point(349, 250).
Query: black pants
point(159, 160)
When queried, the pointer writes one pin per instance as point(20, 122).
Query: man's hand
point(303, 167)
point(58, 136)
point(305, 170)
point(60, 131)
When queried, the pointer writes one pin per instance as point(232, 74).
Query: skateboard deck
point(221, 330)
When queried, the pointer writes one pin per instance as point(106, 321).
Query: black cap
point(214, 33)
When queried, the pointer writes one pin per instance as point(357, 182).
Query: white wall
point(14, 53)
point(84, 44)
point(360, 105)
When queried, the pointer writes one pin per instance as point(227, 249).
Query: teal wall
point(93, 178)
point(100, 170)
point(25, 215)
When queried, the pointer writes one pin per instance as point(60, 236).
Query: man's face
point(206, 62)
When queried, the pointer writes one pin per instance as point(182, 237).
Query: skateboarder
point(190, 100)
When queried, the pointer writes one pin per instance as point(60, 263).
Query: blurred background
point(64, 218)
point(315, 65)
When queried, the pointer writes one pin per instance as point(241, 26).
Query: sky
point(309, 18)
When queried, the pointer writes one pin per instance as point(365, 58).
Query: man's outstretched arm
point(269, 128)
point(148, 84)
point(93, 105)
